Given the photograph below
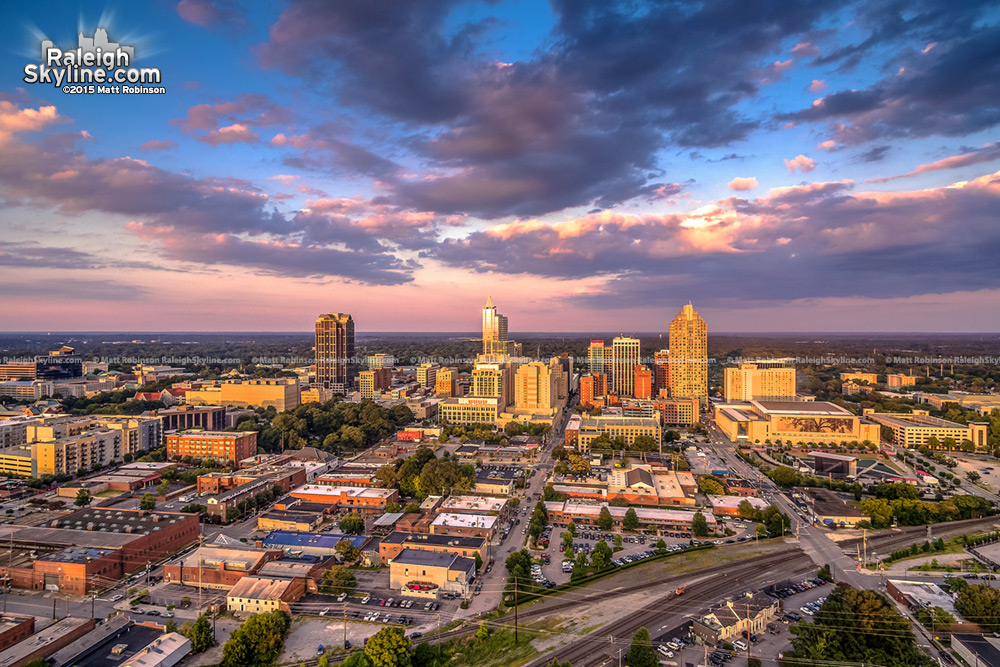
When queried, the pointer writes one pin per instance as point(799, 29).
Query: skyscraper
point(596, 357)
point(661, 373)
point(624, 359)
point(494, 329)
point(335, 367)
point(536, 387)
point(751, 382)
point(643, 383)
point(689, 356)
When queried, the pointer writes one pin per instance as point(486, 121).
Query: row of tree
point(423, 474)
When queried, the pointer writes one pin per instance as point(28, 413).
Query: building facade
point(624, 359)
point(689, 356)
point(221, 446)
point(335, 367)
point(749, 382)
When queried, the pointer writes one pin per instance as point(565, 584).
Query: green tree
point(856, 625)
point(389, 648)
point(258, 642)
point(972, 476)
point(825, 573)
point(170, 625)
point(618, 541)
point(571, 528)
point(348, 551)
point(641, 652)
point(567, 539)
point(644, 443)
point(631, 521)
point(745, 510)
point(661, 546)
point(711, 486)
point(785, 477)
point(352, 524)
point(148, 502)
point(163, 488)
point(201, 635)
point(980, 604)
point(392, 507)
point(338, 579)
point(412, 508)
point(699, 525)
point(82, 498)
point(604, 520)
point(601, 556)
point(753, 661)
point(483, 631)
point(579, 567)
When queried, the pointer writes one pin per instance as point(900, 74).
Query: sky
point(594, 165)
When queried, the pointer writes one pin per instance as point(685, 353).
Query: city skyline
point(793, 168)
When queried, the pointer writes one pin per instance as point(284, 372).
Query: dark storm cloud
point(580, 124)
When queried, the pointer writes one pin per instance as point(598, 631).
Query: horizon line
point(473, 333)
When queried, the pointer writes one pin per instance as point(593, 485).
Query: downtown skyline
point(594, 167)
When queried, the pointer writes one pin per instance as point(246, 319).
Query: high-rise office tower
point(494, 330)
point(661, 373)
point(427, 375)
point(335, 368)
point(596, 357)
point(493, 381)
point(444, 383)
point(689, 356)
point(624, 359)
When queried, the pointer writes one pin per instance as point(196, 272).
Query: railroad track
point(907, 535)
point(591, 650)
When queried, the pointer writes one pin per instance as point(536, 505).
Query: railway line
point(592, 650)
point(907, 535)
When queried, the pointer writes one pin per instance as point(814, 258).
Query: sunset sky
point(785, 166)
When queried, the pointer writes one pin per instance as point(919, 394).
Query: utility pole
point(864, 541)
point(748, 630)
point(345, 625)
point(515, 611)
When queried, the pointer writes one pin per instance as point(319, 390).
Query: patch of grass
point(498, 650)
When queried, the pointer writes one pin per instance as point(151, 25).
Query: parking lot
point(767, 645)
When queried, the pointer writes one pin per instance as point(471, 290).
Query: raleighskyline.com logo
point(96, 66)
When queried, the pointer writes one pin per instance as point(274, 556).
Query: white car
point(806, 610)
point(665, 651)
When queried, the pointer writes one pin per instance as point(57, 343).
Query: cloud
point(741, 183)
point(232, 134)
point(29, 254)
point(327, 147)
point(216, 220)
point(988, 153)
point(800, 162)
point(580, 123)
point(208, 13)
point(869, 240)
point(15, 120)
point(157, 145)
point(77, 289)
point(952, 90)
point(875, 154)
point(827, 145)
point(817, 86)
point(805, 50)
point(246, 110)
point(775, 71)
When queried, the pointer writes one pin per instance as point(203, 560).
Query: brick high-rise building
point(661, 373)
point(624, 359)
point(689, 356)
point(643, 383)
point(445, 382)
point(592, 386)
point(335, 368)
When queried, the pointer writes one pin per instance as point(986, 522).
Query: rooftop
point(352, 491)
point(46, 637)
point(451, 519)
point(734, 501)
point(434, 559)
point(259, 588)
point(986, 649)
point(234, 558)
point(800, 407)
point(398, 537)
point(290, 539)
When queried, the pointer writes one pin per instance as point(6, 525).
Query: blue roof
point(285, 539)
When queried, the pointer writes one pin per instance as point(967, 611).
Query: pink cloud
point(801, 162)
point(817, 86)
point(158, 145)
point(232, 134)
point(827, 145)
point(987, 153)
point(741, 183)
point(805, 50)
point(775, 71)
point(14, 120)
point(207, 13)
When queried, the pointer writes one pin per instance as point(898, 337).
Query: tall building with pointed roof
point(689, 356)
point(495, 339)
